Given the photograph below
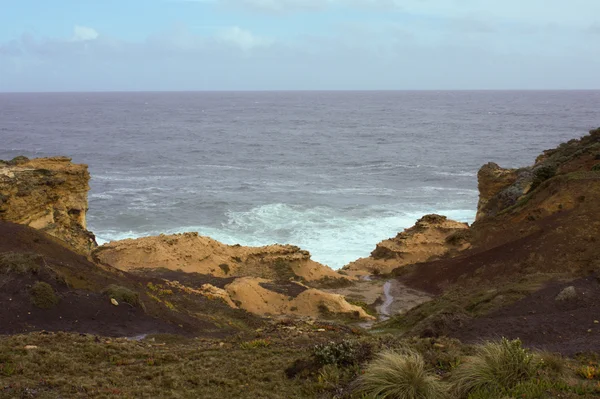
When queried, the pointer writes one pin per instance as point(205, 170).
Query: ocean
point(331, 172)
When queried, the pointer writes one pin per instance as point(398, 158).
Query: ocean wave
point(452, 189)
point(382, 166)
point(458, 174)
point(128, 178)
point(334, 237)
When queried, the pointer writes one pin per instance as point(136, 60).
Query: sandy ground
point(392, 297)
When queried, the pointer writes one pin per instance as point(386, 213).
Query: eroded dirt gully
point(390, 296)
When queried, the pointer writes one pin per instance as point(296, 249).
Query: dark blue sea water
point(332, 172)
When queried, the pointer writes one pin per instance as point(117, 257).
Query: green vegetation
point(342, 353)
point(369, 309)
point(596, 168)
point(283, 270)
point(395, 375)
point(495, 366)
point(122, 294)
point(438, 316)
point(43, 295)
point(254, 344)
point(329, 282)
point(19, 263)
point(541, 174)
point(225, 268)
point(458, 237)
point(277, 366)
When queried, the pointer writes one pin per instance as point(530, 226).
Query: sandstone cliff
point(501, 189)
point(536, 233)
point(253, 295)
point(191, 253)
point(49, 194)
point(432, 236)
point(264, 280)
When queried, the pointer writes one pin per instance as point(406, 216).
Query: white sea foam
point(334, 238)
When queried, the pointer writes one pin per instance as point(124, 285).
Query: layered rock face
point(265, 278)
point(432, 236)
point(49, 194)
point(193, 253)
point(500, 189)
point(252, 294)
point(492, 179)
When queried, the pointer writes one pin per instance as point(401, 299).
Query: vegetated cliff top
point(540, 224)
point(48, 194)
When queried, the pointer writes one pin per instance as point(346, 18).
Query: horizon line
point(290, 91)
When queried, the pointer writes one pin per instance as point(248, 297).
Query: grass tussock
point(255, 344)
point(43, 295)
point(394, 375)
point(167, 366)
point(495, 366)
point(19, 263)
point(122, 294)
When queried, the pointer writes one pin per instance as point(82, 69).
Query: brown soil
point(194, 280)
point(290, 288)
point(562, 243)
point(541, 321)
point(82, 306)
point(520, 259)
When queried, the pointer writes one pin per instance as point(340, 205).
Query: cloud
point(83, 33)
point(399, 54)
point(594, 29)
point(242, 38)
point(278, 6)
point(572, 13)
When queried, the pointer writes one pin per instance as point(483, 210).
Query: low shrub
point(43, 295)
point(541, 174)
point(495, 366)
point(589, 372)
point(552, 364)
point(283, 270)
point(403, 375)
point(596, 167)
point(342, 353)
point(458, 237)
point(332, 282)
point(122, 294)
point(225, 268)
point(19, 263)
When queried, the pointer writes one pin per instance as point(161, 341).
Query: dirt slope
point(28, 257)
point(532, 237)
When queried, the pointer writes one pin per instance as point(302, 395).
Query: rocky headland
point(435, 257)
point(184, 305)
point(48, 194)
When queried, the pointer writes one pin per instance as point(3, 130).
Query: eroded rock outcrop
point(49, 194)
point(191, 252)
point(492, 179)
point(431, 236)
point(252, 295)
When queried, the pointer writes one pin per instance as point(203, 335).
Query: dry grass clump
point(19, 263)
point(254, 344)
point(495, 366)
point(122, 294)
point(394, 375)
point(552, 364)
point(43, 295)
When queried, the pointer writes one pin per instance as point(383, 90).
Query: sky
point(156, 45)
